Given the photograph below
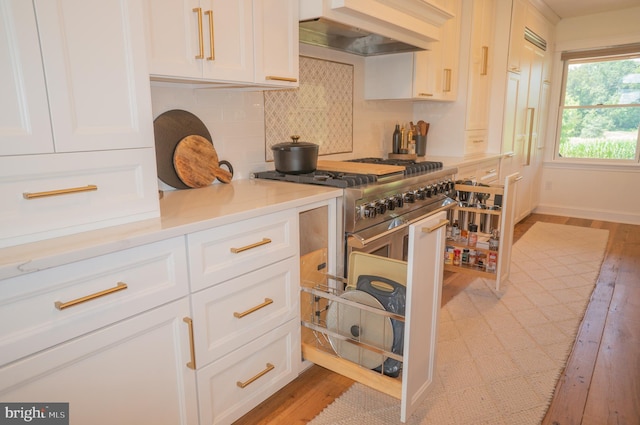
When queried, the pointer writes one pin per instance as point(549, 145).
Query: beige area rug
point(500, 354)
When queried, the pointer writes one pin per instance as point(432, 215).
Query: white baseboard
point(591, 214)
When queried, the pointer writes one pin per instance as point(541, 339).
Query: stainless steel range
point(378, 209)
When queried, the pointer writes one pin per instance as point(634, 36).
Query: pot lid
point(294, 145)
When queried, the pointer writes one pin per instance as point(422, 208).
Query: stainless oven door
point(390, 239)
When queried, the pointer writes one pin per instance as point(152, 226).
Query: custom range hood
point(371, 27)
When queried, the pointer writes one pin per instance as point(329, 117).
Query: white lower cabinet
point(130, 373)
point(231, 386)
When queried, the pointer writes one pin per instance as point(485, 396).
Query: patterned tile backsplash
point(320, 110)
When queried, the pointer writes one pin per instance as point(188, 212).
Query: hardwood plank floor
point(601, 383)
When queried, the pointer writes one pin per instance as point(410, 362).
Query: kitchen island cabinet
point(76, 133)
point(146, 327)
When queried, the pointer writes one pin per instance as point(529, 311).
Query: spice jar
point(472, 257)
point(473, 234)
point(456, 257)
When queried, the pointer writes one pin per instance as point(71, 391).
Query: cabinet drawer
point(488, 172)
point(37, 310)
point(228, 251)
point(260, 367)
point(233, 313)
point(475, 142)
point(46, 196)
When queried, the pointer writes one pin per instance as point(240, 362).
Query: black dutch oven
point(295, 157)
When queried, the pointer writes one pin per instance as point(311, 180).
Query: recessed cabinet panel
point(51, 195)
point(94, 63)
point(41, 309)
point(233, 313)
point(232, 250)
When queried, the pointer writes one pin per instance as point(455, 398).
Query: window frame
point(589, 56)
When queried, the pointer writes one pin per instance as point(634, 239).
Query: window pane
point(605, 133)
point(607, 82)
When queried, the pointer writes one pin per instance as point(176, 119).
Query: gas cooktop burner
point(323, 178)
point(411, 166)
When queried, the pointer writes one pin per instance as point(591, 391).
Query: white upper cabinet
point(200, 39)
point(426, 75)
point(73, 77)
point(24, 112)
point(235, 42)
point(276, 42)
point(479, 78)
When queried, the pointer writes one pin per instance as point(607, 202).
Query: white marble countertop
point(181, 212)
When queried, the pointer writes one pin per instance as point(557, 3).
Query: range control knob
point(370, 211)
point(421, 193)
point(409, 197)
point(399, 201)
point(390, 204)
point(381, 207)
point(430, 191)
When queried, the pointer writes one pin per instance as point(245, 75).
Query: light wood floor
point(601, 383)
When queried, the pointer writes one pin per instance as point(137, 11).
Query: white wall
point(235, 119)
point(589, 191)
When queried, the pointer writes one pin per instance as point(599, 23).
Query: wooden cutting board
point(195, 161)
point(358, 167)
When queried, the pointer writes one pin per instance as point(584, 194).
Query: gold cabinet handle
point(276, 78)
point(436, 227)
point(198, 10)
point(425, 94)
point(485, 60)
point(264, 241)
point(192, 347)
point(447, 80)
point(266, 302)
point(212, 48)
point(491, 171)
point(62, 305)
point(268, 369)
point(34, 195)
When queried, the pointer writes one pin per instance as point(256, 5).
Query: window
point(599, 111)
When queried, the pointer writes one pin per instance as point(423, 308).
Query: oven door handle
point(356, 241)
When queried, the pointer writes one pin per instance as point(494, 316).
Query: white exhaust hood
point(371, 27)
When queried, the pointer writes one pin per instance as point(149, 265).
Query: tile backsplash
point(320, 110)
point(236, 118)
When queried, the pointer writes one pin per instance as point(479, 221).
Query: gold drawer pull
point(264, 241)
point(212, 45)
point(436, 227)
point(34, 195)
point(119, 287)
point(276, 78)
point(192, 347)
point(268, 369)
point(266, 302)
point(425, 94)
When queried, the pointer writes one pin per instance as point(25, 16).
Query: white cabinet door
point(479, 73)
point(96, 73)
point(130, 373)
point(275, 37)
point(172, 38)
point(25, 127)
point(200, 40)
point(424, 294)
